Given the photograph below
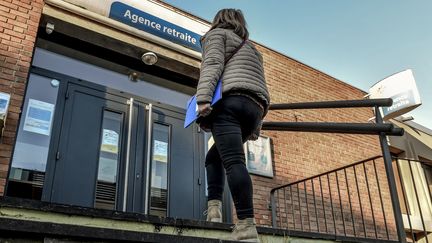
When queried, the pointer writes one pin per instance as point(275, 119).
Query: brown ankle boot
point(214, 211)
point(245, 230)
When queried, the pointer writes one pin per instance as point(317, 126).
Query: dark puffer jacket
point(243, 73)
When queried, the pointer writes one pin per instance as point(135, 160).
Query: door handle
point(149, 108)
point(131, 104)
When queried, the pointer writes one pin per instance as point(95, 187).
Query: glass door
point(91, 154)
point(107, 149)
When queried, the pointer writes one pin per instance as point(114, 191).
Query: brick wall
point(19, 20)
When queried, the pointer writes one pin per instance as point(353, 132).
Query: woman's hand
point(204, 109)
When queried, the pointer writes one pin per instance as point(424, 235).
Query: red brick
point(11, 44)
point(8, 5)
point(5, 82)
point(4, 9)
point(28, 43)
point(18, 29)
point(4, 167)
point(4, 161)
point(4, 36)
point(30, 37)
point(23, 10)
point(9, 54)
point(20, 14)
point(7, 77)
point(14, 34)
point(21, 19)
point(34, 18)
point(16, 23)
point(15, 39)
point(13, 49)
point(7, 15)
point(23, 5)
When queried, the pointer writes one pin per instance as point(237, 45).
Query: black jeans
point(232, 120)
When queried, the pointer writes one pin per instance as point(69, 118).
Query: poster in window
point(110, 140)
point(39, 117)
point(4, 104)
point(160, 151)
point(258, 157)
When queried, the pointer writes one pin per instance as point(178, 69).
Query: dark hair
point(230, 18)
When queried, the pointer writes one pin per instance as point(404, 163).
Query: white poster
point(258, 157)
point(39, 117)
point(4, 103)
point(160, 151)
point(110, 141)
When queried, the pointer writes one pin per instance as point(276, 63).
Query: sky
point(359, 42)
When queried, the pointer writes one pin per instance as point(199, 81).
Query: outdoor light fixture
point(133, 76)
point(49, 28)
point(149, 58)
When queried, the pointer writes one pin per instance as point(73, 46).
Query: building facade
point(89, 124)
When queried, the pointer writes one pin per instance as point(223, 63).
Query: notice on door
point(39, 117)
point(160, 151)
point(110, 141)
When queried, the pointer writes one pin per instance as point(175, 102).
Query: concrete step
point(34, 221)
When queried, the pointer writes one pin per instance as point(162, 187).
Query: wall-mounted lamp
point(149, 58)
point(49, 28)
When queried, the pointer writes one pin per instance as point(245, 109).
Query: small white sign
point(160, 151)
point(4, 103)
point(39, 117)
point(258, 157)
point(110, 141)
point(400, 87)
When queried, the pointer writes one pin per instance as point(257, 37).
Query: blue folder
point(192, 106)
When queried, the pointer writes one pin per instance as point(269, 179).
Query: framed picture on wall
point(258, 157)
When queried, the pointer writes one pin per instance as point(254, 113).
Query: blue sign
point(154, 25)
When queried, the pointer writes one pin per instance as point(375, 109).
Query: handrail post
point(273, 208)
point(391, 180)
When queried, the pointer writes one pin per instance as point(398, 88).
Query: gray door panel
point(77, 164)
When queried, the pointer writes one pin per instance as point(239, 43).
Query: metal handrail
point(333, 104)
point(328, 127)
point(379, 128)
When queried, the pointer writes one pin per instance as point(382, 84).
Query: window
point(159, 170)
point(106, 185)
point(29, 160)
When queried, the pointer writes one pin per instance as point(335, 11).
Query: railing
point(415, 182)
point(347, 203)
point(328, 221)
